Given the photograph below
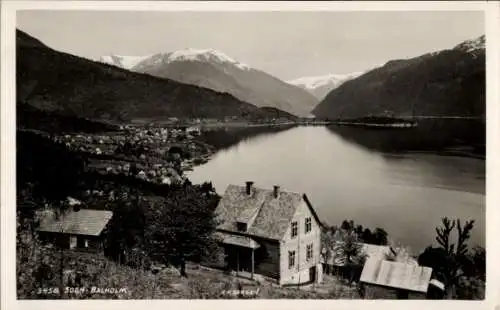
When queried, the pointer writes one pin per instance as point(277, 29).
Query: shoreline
point(398, 125)
point(448, 153)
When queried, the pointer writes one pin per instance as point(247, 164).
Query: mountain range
point(121, 88)
point(450, 82)
point(320, 86)
point(55, 82)
point(215, 70)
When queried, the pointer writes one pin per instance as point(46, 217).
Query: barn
point(382, 279)
point(76, 229)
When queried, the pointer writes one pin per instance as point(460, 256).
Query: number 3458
point(48, 291)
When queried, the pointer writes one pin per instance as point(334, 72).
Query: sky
point(288, 45)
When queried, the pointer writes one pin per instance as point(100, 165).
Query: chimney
point(276, 191)
point(249, 187)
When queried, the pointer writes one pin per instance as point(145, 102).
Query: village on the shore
point(337, 262)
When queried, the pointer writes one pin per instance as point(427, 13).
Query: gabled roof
point(83, 222)
point(396, 275)
point(266, 216)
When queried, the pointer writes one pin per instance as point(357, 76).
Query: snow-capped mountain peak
point(205, 55)
point(470, 46)
point(192, 54)
point(313, 82)
point(188, 54)
point(126, 62)
point(321, 85)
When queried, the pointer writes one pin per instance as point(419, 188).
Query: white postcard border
point(8, 176)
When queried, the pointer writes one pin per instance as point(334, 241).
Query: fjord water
point(347, 174)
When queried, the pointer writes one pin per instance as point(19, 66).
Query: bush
point(471, 288)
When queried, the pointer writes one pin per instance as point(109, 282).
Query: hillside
point(201, 283)
point(446, 83)
point(217, 71)
point(31, 118)
point(56, 82)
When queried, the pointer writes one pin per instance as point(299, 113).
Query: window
point(72, 242)
point(241, 226)
point(308, 225)
point(295, 229)
point(291, 259)
point(309, 252)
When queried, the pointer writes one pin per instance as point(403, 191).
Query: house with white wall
point(270, 232)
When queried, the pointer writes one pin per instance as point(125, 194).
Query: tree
point(478, 259)
point(176, 150)
point(346, 225)
point(471, 283)
point(470, 288)
point(350, 247)
point(207, 187)
point(50, 176)
point(450, 262)
point(443, 234)
point(436, 258)
point(326, 243)
point(366, 236)
point(352, 255)
point(181, 227)
point(126, 229)
point(380, 236)
point(333, 229)
point(359, 230)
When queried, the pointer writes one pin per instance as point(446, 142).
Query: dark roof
point(399, 275)
point(265, 216)
point(83, 222)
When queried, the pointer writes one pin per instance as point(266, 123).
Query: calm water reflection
point(406, 194)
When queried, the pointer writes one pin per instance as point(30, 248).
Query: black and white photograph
point(248, 154)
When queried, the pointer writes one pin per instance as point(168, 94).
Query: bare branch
point(463, 236)
point(443, 233)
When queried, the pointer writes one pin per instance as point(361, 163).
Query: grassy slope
point(201, 282)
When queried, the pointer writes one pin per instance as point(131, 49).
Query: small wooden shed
point(382, 279)
point(79, 230)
